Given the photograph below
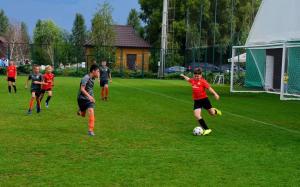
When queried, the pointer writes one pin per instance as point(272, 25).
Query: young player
point(199, 85)
point(85, 97)
point(48, 79)
point(11, 76)
point(105, 75)
point(36, 82)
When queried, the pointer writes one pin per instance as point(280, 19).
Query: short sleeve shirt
point(35, 77)
point(48, 79)
point(104, 73)
point(88, 82)
point(199, 87)
point(11, 71)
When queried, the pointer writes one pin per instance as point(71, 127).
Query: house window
point(131, 61)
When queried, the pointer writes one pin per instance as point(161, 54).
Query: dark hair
point(93, 67)
point(198, 71)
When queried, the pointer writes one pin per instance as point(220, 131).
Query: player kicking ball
point(36, 82)
point(85, 99)
point(48, 79)
point(199, 85)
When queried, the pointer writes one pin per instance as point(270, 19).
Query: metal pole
point(143, 63)
point(200, 31)
point(283, 71)
point(216, 6)
point(232, 69)
point(163, 39)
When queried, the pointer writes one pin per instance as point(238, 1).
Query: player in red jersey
point(199, 86)
point(48, 79)
point(11, 76)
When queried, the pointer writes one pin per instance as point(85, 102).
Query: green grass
point(144, 137)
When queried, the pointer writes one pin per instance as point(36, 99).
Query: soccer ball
point(198, 131)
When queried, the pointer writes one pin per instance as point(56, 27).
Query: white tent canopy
point(276, 21)
point(239, 58)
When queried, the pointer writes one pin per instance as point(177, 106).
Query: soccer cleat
point(29, 112)
point(47, 105)
point(219, 112)
point(206, 132)
point(91, 133)
point(78, 113)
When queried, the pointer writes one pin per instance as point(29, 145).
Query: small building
point(132, 51)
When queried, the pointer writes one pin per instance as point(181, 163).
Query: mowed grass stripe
point(226, 112)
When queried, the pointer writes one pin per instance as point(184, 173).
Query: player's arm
point(41, 82)
point(16, 74)
point(82, 89)
point(211, 90)
point(109, 75)
point(185, 77)
point(26, 83)
point(99, 79)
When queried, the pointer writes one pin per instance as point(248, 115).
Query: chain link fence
point(70, 60)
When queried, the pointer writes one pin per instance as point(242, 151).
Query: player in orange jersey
point(11, 73)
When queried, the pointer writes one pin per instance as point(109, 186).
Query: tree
point(46, 36)
point(4, 23)
point(134, 21)
point(14, 37)
point(103, 34)
point(78, 37)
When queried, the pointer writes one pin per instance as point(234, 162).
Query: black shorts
point(85, 104)
point(103, 82)
point(46, 90)
point(202, 103)
point(11, 79)
point(37, 92)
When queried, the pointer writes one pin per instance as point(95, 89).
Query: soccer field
point(144, 137)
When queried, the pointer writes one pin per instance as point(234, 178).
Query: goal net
point(270, 69)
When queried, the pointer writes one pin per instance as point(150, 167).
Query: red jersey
point(11, 71)
point(48, 79)
point(199, 87)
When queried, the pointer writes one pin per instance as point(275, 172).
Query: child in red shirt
point(11, 73)
point(199, 85)
point(48, 79)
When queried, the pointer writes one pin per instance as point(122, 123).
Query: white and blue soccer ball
point(198, 131)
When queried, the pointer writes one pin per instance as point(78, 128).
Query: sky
point(62, 12)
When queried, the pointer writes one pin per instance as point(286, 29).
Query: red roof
point(127, 37)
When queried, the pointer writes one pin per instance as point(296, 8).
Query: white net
point(291, 75)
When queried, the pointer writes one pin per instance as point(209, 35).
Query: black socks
point(48, 99)
point(203, 124)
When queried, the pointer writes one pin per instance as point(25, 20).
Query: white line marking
point(230, 113)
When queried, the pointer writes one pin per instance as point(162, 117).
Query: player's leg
point(197, 113)
point(42, 95)
point(106, 91)
point(9, 86)
point(81, 108)
point(102, 89)
point(14, 86)
point(31, 102)
point(38, 102)
point(48, 98)
point(91, 121)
